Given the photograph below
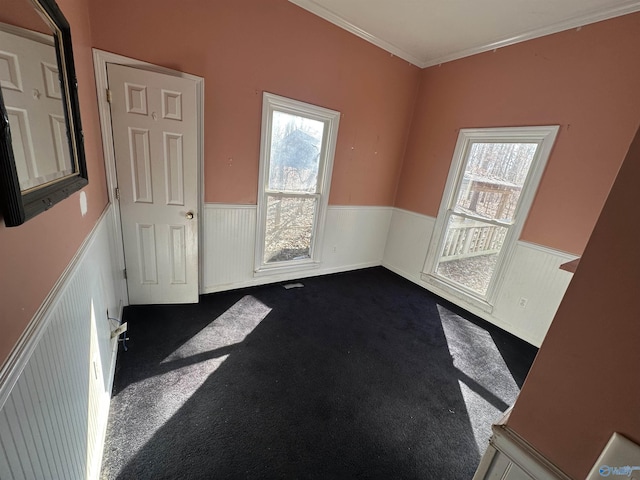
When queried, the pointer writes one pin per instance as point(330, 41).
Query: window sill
point(457, 292)
point(266, 270)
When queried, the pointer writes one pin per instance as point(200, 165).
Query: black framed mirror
point(42, 159)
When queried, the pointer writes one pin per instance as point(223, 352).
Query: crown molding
point(329, 16)
point(574, 22)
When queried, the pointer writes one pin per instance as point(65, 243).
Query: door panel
point(155, 140)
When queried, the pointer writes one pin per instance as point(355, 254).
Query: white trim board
point(100, 60)
point(30, 34)
point(423, 62)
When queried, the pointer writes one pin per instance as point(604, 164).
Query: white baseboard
point(299, 275)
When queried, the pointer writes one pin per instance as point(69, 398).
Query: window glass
point(289, 228)
point(469, 252)
point(295, 153)
point(493, 179)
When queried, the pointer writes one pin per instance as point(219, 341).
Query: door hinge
point(124, 273)
point(109, 96)
point(117, 193)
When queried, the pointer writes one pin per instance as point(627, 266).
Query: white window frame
point(545, 137)
point(331, 120)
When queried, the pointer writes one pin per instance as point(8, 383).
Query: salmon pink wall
point(584, 383)
point(245, 47)
point(584, 80)
point(22, 14)
point(34, 255)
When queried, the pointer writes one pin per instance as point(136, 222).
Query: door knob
point(189, 215)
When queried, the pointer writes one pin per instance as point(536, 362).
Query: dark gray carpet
point(356, 375)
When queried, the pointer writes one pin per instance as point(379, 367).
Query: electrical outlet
point(523, 302)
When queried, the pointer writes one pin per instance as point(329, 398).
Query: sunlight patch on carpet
point(182, 373)
point(487, 386)
point(230, 328)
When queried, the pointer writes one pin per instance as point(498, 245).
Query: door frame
point(100, 60)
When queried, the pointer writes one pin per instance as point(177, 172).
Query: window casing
point(297, 147)
point(484, 207)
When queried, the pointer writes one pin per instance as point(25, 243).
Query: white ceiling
point(429, 32)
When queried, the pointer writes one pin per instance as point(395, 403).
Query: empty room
point(397, 239)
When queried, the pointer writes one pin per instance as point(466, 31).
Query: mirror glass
point(32, 93)
point(41, 145)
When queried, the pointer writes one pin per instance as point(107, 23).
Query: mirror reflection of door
point(31, 89)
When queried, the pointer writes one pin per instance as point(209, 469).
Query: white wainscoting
point(354, 237)
point(532, 273)
point(407, 243)
point(56, 385)
point(359, 237)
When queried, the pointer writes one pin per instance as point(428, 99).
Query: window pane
point(493, 179)
point(469, 252)
point(295, 153)
point(289, 228)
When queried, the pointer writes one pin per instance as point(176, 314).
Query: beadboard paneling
point(407, 243)
point(358, 237)
point(532, 273)
point(228, 245)
point(54, 396)
point(355, 237)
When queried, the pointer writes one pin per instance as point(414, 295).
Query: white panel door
point(154, 122)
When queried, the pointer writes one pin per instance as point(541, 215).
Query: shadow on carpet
point(355, 375)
